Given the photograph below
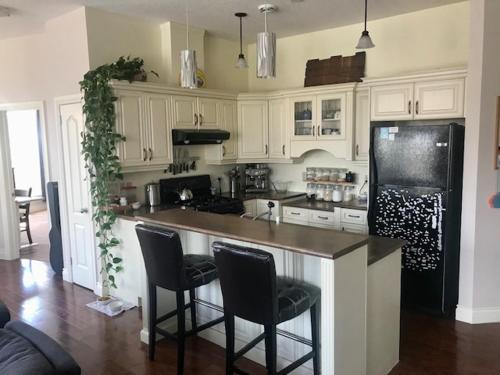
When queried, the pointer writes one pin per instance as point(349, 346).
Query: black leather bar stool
point(252, 291)
point(167, 267)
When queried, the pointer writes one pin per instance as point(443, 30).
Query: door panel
point(279, 145)
point(362, 125)
point(81, 231)
point(130, 124)
point(331, 116)
point(442, 99)
point(185, 112)
point(393, 102)
point(253, 129)
point(207, 116)
point(303, 113)
point(228, 120)
point(159, 125)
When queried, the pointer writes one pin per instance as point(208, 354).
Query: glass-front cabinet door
point(304, 117)
point(331, 116)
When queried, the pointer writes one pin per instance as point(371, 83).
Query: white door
point(133, 152)
point(362, 125)
point(279, 145)
point(253, 129)
point(392, 102)
point(79, 216)
point(207, 116)
point(228, 121)
point(158, 129)
point(185, 112)
point(439, 99)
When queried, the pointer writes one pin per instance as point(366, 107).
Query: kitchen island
point(360, 303)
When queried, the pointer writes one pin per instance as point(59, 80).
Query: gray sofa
point(24, 350)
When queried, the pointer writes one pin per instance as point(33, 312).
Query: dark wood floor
point(111, 346)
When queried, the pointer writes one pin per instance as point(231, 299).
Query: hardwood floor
point(103, 345)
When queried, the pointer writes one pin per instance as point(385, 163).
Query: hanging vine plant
point(99, 143)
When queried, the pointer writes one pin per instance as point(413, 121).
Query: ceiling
point(217, 16)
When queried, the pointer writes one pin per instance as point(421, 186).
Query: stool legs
point(192, 296)
point(152, 321)
point(181, 331)
point(271, 348)
point(229, 322)
point(315, 335)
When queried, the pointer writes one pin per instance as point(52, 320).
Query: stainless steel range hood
point(199, 137)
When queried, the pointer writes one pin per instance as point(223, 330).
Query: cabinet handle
point(354, 216)
point(409, 107)
point(201, 119)
point(314, 130)
point(416, 107)
point(150, 154)
point(357, 150)
point(223, 150)
point(318, 131)
point(144, 155)
point(283, 149)
point(195, 119)
point(266, 149)
point(323, 217)
point(295, 213)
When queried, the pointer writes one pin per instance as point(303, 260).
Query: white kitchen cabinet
point(253, 129)
point(185, 112)
point(350, 216)
point(392, 102)
point(279, 144)
point(433, 99)
point(130, 124)
point(207, 113)
point(250, 207)
point(144, 120)
point(325, 218)
point(362, 125)
point(227, 119)
point(262, 208)
point(303, 115)
point(440, 99)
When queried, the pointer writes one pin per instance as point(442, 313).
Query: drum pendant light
point(266, 47)
point(188, 61)
point(365, 41)
point(241, 63)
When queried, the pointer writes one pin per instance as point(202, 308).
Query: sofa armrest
point(62, 362)
point(4, 315)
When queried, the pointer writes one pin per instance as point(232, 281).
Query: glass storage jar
point(310, 174)
point(311, 190)
point(338, 194)
point(324, 174)
point(334, 175)
point(320, 192)
point(328, 193)
point(349, 194)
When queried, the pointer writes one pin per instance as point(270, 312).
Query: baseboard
point(478, 315)
point(66, 275)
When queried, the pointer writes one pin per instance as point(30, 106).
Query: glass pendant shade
point(266, 55)
point(241, 63)
point(365, 41)
point(188, 69)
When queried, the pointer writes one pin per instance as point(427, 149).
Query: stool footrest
point(171, 314)
point(249, 346)
point(299, 362)
point(204, 326)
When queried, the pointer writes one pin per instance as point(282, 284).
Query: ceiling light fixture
point(266, 47)
point(365, 41)
point(188, 61)
point(241, 63)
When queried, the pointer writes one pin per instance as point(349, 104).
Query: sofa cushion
point(19, 357)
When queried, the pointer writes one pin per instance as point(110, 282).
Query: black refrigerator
point(416, 171)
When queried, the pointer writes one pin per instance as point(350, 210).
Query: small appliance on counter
point(234, 181)
point(152, 194)
point(257, 178)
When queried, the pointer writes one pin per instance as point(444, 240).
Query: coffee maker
point(257, 178)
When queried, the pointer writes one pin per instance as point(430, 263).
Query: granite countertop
point(355, 204)
point(270, 195)
point(318, 242)
point(380, 247)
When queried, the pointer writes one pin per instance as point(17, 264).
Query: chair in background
point(24, 212)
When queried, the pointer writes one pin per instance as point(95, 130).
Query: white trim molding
point(478, 315)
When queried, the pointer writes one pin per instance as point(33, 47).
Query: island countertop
point(318, 242)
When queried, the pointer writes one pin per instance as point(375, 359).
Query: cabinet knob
point(319, 133)
point(150, 154)
point(266, 149)
point(200, 116)
point(416, 107)
point(357, 150)
point(409, 107)
point(195, 119)
point(144, 154)
point(223, 150)
point(314, 130)
point(283, 149)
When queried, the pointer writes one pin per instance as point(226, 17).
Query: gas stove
point(203, 199)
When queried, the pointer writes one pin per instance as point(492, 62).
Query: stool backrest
point(248, 282)
point(163, 256)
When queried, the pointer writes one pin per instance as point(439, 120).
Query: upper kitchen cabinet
point(144, 119)
point(440, 99)
point(279, 142)
point(362, 125)
point(191, 112)
point(425, 98)
point(392, 102)
point(226, 119)
point(319, 116)
point(253, 129)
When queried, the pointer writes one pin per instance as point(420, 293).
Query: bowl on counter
point(136, 205)
point(281, 186)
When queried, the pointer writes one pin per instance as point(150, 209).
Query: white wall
point(425, 40)
point(479, 299)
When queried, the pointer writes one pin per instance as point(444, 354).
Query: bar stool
point(167, 267)
point(252, 291)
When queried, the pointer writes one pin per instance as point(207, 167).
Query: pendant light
point(365, 41)
point(266, 47)
point(188, 61)
point(241, 63)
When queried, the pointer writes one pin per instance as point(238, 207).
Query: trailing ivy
point(99, 142)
